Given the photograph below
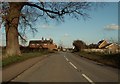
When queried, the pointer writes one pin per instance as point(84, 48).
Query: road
point(68, 67)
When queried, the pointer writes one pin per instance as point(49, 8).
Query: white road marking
point(73, 65)
point(70, 62)
point(88, 79)
point(67, 59)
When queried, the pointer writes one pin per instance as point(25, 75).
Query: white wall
point(101, 50)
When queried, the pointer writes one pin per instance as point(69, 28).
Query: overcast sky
point(103, 24)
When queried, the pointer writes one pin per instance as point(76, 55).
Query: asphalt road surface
point(68, 67)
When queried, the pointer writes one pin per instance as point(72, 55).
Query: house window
point(45, 44)
point(32, 44)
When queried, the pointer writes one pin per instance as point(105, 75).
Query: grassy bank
point(14, 59)
point(107, 59)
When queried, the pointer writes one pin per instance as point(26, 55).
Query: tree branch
point(21, 37)
point(45, 10)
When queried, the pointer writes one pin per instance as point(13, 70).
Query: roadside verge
point(9, 73)
point(112, 60)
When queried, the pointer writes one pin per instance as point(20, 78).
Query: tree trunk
point(11, 27)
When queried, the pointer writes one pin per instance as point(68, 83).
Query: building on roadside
point(102, 44)
point(109, 47)
point(113, 48)
point(105, 47)
point(42, 44)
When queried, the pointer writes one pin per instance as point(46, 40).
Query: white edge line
point(88, 79)
point(73, 65)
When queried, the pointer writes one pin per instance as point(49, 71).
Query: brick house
point(42, 44)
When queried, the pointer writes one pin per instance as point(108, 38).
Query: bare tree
point(26, 13)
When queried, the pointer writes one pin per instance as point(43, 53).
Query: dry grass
point(107, 59)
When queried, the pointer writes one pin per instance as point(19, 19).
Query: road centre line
point(73, 65)
point(89, 80)
point(70, 63)
point(67, 59)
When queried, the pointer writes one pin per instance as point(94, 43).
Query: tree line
point(79, 45)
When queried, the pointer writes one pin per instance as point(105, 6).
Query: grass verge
point(107, 59)
point(15, 59)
